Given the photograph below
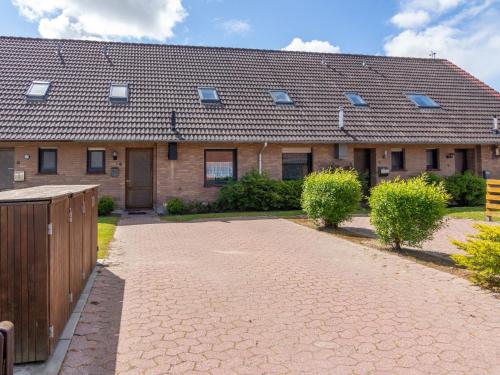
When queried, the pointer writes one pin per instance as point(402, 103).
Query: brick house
point(150, 122)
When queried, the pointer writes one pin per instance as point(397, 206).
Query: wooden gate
point(492, 199)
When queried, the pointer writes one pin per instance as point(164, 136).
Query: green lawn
point(106, 230)
point(472, 213)
point(217, 215)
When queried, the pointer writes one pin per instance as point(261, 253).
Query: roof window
point(118, 93)
point(422, 101)
point(281, 97)
point(355, 99)
point(208, 95)
point(38, 90)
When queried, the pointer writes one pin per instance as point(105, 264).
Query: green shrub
point(175, 206)
point(257, 192)
point(466, 189)
point(432, 178)
point(106, 205)
point(483, 257)
point(331, 196)
point(407, 212)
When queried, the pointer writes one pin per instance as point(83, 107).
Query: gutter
point(260, 156)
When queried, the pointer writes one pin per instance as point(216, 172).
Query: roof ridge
point(222, 48)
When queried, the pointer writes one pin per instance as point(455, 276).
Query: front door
point(364, 164)
point(139, 178)
point(464, 160)
point(6, 169)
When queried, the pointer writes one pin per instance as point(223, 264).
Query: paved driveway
point(269, 297)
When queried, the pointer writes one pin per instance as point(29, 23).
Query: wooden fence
point(492, 199)
point(48, 248)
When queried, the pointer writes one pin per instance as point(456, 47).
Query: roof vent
point(59, 53)
point(341, 117)
point(105, 54)
point(495, 124)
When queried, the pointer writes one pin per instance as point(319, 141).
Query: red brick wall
point(184, 178)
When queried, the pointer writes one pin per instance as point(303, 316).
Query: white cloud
point(298, 44)
point(236, 27)
point(411, 19)
point(468, 36)
point(108, 19)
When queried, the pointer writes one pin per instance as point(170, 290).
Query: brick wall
point(184, 178)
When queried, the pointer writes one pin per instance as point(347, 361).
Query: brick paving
point(273, 297)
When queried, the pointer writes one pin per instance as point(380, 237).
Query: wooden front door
point(464, 160)
point(364, 164)
point(6, 169)
point(139, 178)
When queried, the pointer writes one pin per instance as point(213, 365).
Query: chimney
point(341, 117)
point(173, 121)
point(495, 124)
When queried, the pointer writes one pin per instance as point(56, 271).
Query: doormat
point(137, 212)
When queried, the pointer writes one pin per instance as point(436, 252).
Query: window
point(38, 90)
point(96, 161)
point(118, 93)
point(47, 161)
point(398, 159)
point(432, 159)
point(208, 95)
point(355, 99)
point(281, 97)
point(296, 165)
point(220, 166)
point(423, 101)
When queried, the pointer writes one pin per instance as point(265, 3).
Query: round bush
point(407, 212)
point(106, 206)
point(331, 196)
point(466, 189)
point(175, 206)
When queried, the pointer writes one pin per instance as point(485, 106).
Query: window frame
point(41, 169)
point(210, 183)
point(403, 167)
point(437, 166)
point(119, 99)
point(208, 101)
point(347, 95)
point(91, 170)
point(410, 96)
point(309, 164)
point(281, 102)
point(31, 97)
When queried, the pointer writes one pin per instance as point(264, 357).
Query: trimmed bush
point(257, 192)
point(175, 206)
point(466, 189)
point(407, 212)
point(432, 178)
point(331, 196)
point(106, 205)
point(483, 257)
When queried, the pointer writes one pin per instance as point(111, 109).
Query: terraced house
point(150, 122)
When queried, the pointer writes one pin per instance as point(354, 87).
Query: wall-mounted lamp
point(26, 156)
point(115, 155)
point(385, 154)
point(496, 150)
point(450, 155)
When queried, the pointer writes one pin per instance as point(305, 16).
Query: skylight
point(118, 93)
point(355, 99)
point(423, 101)
point(208, 95)
point(281, 97)
point(38, 90)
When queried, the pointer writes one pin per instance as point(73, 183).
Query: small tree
point(483, 257)
point(106, 205)
point(407, 212)
point(331, 196)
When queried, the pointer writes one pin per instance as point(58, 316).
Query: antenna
point(433, 54)
point(105, 54)
point(364, 63)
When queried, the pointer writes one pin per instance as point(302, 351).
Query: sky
point(467, 32)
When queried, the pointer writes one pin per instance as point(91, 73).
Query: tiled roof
point(165, 78)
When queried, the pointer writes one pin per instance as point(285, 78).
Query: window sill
point(212, 185)
point(47, 174)
point(399, 170)
point(96, 173)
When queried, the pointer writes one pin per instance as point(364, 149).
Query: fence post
point(7, 352)
point(492, 199)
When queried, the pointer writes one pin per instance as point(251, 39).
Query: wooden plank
point(493, 197)
point(17, 290)
point(41, 281)
point(491, 189)
point(493, 213)
point(492, 182)
point(4, 279)
point(31, 326)
point(76, 249)
point(23, 275)
point(492, 206)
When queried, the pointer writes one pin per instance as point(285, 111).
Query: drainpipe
point(260, 156)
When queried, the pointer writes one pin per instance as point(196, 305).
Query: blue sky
point(465, 31)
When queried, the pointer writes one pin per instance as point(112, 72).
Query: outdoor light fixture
point(385, 154)
point(450, 155)
point(26, 156)
point(115, 155)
